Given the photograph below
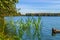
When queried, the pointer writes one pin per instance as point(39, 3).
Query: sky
point(38, 6)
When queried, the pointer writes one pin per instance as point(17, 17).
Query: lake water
point(47, 24)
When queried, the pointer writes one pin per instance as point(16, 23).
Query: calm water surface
point(47, 24)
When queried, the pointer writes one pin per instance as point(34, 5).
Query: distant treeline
point(32, 14)
point(43, 14)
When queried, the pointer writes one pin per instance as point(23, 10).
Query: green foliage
point(7, 6)
point(23, 28)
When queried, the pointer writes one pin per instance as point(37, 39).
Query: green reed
point(23, 28)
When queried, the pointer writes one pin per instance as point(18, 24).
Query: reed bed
point(28, 28)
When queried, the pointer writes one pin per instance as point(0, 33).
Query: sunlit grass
point(17, 30)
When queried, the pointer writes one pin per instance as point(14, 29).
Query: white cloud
point(37, 6)
point(52, 6)
point(38, 11)
point(28, 9)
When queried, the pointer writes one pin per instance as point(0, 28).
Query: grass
point(30, 28)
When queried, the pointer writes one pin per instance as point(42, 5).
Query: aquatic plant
point(14, 32)
point(9, 30)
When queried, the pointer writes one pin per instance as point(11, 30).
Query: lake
point(47, 24)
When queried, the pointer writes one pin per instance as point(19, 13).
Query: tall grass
point(23, 29)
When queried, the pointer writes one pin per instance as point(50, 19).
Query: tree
point(8, 6)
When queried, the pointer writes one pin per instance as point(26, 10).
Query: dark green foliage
point(7, 6)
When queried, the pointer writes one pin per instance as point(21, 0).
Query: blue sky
point(38, 6)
